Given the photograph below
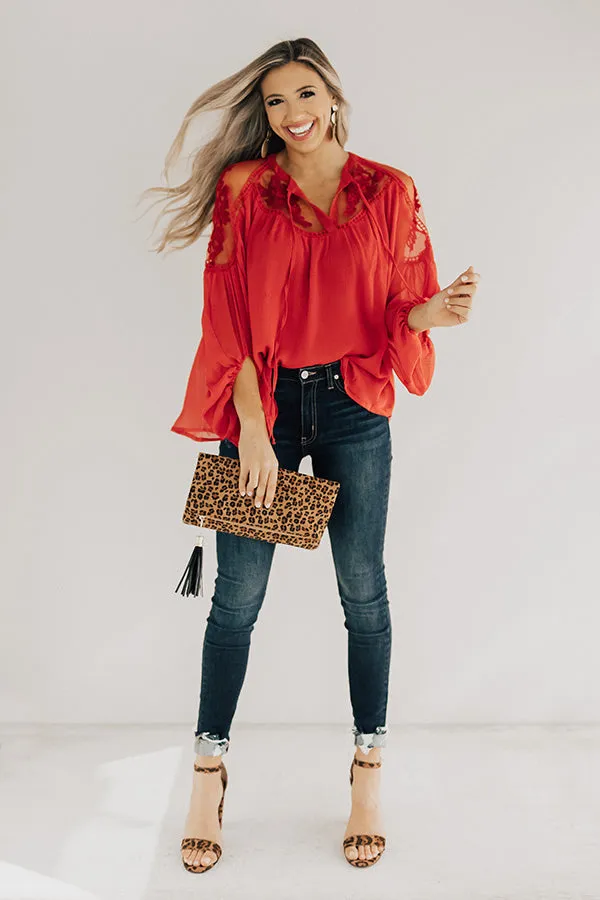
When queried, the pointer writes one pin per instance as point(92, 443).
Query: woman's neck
point(323, 164)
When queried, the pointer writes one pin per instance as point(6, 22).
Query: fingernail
point(267, 505)
point(450, 290)
point(464, 278)
point(243, 493)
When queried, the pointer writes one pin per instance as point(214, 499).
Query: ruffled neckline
point(348, 173)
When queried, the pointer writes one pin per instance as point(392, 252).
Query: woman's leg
point(353, 446)
point(243, 569)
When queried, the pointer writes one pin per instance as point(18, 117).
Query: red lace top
point(288, 284)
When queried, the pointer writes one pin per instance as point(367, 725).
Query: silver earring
point(265, 144)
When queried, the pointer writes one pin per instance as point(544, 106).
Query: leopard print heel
point(192, 843)
point(363, 840)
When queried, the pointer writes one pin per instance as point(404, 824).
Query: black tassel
point(192, 577)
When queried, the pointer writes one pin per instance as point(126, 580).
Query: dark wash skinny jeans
point(349, 444)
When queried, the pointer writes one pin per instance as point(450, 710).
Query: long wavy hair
point(243, 129)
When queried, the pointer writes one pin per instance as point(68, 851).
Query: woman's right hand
point(258, 463)
point(452, 305)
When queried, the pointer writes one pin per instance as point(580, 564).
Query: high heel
point(202, 844)
point(363, 840)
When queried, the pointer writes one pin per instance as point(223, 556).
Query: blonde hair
point(240, 136)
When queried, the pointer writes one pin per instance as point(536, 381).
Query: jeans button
point(336, 375)
point(303, 374)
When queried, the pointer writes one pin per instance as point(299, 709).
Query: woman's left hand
point(452, 306)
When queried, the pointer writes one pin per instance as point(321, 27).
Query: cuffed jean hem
point(366, 742)
point(207, 744)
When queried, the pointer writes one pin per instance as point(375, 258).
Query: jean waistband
point(317, 372)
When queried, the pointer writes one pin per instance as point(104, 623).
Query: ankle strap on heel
point(198, 768)
point(366, 764)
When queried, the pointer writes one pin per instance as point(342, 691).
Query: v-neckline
point(341, 184)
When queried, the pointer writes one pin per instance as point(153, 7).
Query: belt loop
point(329, 375)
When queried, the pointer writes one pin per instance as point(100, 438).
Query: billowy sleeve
point(412, 353)
point(208, 411)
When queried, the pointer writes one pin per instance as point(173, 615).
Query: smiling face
point(295, 96)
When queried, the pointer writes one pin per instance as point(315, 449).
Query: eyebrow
point(298, 91)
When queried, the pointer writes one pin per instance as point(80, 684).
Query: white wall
point(492, 543)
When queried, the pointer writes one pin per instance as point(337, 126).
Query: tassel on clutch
point(191, 580)
point(298, 515)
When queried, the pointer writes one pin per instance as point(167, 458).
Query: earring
point(334, 121)
point(265, 144)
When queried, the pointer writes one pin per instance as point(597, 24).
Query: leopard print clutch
point(298, 515)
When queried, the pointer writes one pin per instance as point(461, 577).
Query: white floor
point(470, 813)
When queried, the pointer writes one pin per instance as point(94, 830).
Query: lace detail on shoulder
point(417, 200)
point(418, 235)
point(228, 217)
point(221, 218)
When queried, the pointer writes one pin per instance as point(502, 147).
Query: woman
point(319, 284)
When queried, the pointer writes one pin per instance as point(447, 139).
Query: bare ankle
point(210, 761)
point(374, 755)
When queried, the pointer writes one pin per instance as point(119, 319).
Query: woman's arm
point(246, 397)
point(410, 346)
point(223, 363)
point(418, 318)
